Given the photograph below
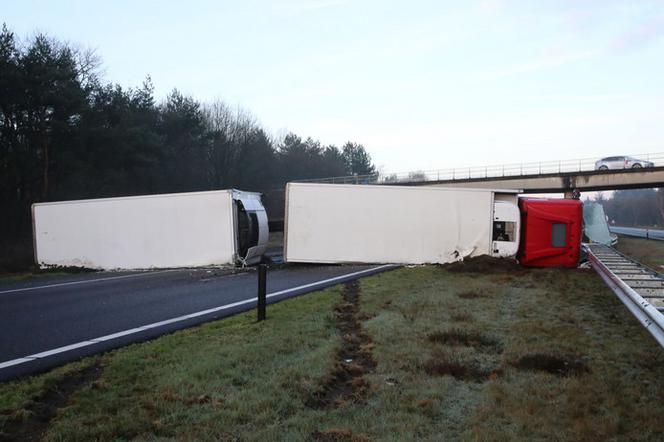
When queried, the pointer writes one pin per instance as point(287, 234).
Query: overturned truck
point(151, 231)
point(328, 223)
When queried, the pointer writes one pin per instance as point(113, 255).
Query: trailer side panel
point(385, 224)
point(175, 230)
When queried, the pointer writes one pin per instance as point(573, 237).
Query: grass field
point(648, 251)
point(483, 350)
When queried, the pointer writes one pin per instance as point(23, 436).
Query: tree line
point(635, 208)
point(65, 134)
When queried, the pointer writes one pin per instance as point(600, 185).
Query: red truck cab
point(551, 231)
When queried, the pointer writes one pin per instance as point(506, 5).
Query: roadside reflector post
point(262, 288)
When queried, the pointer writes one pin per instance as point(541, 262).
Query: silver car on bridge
point(622, 162)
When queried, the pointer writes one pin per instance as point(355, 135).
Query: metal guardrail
point(464, 173)
point(638, 232)
point(638, 287)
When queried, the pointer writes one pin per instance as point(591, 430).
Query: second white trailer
point(328, 223)
point(151, 231)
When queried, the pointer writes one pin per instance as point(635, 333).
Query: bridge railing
point(475, 172)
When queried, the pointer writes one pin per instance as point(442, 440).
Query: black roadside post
point(262, 288)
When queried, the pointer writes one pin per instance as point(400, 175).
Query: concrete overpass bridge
point(565, 181)
point(542, 177)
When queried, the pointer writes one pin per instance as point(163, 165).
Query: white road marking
point(86, 281)
point(132, 331)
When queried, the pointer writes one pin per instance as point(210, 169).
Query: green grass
point(554, 312)
point(648, 251)
point(236, 379)
point(36, 274)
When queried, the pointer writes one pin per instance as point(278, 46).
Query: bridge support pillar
point(573, 194)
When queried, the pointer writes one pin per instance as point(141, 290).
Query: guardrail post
point(262, 289)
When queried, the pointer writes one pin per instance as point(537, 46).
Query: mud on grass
point(353, 360)
point(552, 364)
point(485, 265)
point(30, 423)
point(446, 364)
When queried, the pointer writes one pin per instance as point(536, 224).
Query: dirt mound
point(484, 264)
point(556, 365)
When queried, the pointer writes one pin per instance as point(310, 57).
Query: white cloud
point(639, 35)
point(537, 64)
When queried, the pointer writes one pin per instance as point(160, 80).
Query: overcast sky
point(422, 84)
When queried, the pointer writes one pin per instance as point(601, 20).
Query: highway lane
point(48, 314)
point(641, 233)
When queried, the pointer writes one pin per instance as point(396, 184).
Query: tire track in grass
point(346, 382)
point(33, 421)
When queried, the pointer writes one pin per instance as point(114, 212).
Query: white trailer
point(151, 231)
point(336, 223)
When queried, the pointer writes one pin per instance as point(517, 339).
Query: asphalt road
point(49, 321)
point(641, 233)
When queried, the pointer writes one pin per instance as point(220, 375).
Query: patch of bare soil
point(444, 364)
point(556, 365)
point(353, 360)
point(32, 423)
point(339, 435)
point(486, 265)
point(461, 338)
